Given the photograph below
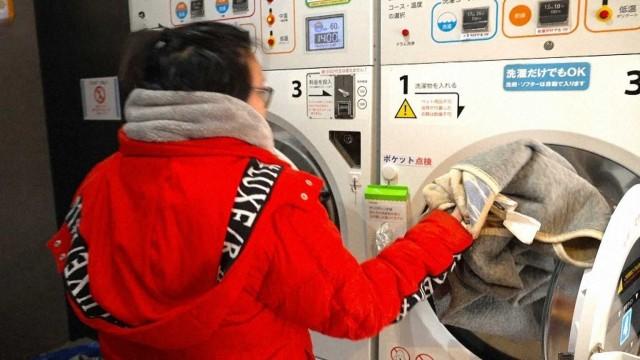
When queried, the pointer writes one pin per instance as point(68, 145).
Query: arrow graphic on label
point(460, 108)
point(324, 93)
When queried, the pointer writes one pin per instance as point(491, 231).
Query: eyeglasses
point(265, 93)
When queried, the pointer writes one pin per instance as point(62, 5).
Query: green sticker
point(387, 192)
point(319, 3)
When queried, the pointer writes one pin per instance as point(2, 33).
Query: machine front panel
point(287, 33)
point(330, 112)
point(309, 102)
point(435, 115)
point(433, 111)
point(448, 30)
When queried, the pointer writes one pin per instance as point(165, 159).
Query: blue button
point(625, 327)
point(222, 7)
point(447, 22)
point(182, 10)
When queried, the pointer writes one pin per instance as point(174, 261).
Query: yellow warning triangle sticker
point(405, 111)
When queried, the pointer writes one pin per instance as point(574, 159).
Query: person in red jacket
point(196, 240)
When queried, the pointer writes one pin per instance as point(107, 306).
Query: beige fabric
point(545, 187)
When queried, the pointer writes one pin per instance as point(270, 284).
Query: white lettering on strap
point(251, 217)
point(252, 193)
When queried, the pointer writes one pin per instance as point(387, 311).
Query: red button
point(405, 32)
point(271, 42)
point(604, 14)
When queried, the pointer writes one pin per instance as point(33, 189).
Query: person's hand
point(456, 214)
point(439, 228)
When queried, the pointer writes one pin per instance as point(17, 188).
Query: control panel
point(184, 12)
point(456, 23)
point(547, 18)
point(288, 34)
point(425, 32)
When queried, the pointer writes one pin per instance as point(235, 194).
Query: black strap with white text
point(252, 194)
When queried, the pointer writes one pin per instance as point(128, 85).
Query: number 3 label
point(635, 82)
point(297, 88)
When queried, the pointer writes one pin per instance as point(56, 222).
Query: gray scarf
point(160, 116)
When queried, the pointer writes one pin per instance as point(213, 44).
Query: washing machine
point(462, 76)
point(318, 56)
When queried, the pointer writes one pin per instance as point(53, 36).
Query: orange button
point(270, 18)
point(520, 15)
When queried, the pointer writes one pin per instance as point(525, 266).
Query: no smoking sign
point(400, 353)
point(100, 98)
point(100, 94)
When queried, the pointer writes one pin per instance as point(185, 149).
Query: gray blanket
point(509, 196)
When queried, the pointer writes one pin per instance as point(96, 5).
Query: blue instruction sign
point(625, 326)
point(547, 77)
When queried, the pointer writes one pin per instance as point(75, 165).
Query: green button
point(387, 192)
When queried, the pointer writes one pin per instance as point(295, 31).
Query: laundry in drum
point(528, 210)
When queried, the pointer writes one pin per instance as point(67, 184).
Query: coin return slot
point(344, 110)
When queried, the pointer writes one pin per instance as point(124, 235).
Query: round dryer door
point(549, 322)
point(607, 318)
point(301, 157)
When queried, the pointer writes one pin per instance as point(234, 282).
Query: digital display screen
point(554, 12)
point(475, 19)
point(197, 8)
point(325, 33)
point(240, 5)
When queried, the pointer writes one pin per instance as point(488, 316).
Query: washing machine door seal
point(607, 321)
point(569, 284)
point(302, 157)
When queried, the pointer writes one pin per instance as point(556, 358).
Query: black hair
point(206, 56)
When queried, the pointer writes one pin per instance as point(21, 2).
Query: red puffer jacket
point(147, 228)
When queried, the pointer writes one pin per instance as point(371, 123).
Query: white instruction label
point(392, 213)
point(320, 96)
